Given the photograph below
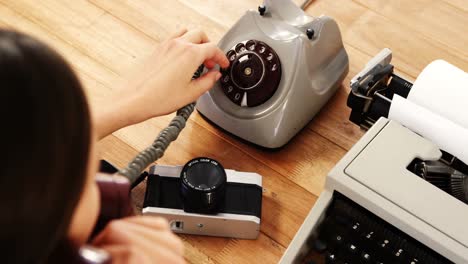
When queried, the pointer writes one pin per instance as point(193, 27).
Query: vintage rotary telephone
point(284, 66)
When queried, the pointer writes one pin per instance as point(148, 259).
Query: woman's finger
point(127, 234)
point(124, 254)
point(210, 51)
point(165, 239)
point(157, 223)
point(209, 64)
point(204, 83)
point(178, 33)
point(139, 232)
point(136, 238)
point(195, 36)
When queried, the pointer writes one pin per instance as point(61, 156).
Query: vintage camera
point(203, 198)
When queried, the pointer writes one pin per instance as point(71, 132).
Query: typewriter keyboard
point(351, 234)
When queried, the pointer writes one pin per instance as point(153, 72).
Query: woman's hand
point(164, 83)
point(142, 240)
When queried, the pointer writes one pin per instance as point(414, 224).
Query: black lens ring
point(185, 181)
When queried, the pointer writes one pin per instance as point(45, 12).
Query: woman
point(48, 194)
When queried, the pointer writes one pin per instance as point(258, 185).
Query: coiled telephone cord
point(133, 171)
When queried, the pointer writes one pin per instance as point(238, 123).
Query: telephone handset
point(284, 66)
point(114, 196)
point(116, 203)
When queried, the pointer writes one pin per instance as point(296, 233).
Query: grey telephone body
point(312, 68)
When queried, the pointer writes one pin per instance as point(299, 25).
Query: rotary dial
point(253, 75)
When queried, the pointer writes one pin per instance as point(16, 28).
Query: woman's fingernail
point(218, 75)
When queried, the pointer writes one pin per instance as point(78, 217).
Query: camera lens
point(202, 186)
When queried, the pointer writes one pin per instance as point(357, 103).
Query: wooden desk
point(105, 39)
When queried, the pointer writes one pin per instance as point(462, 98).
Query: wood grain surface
point(105, 39)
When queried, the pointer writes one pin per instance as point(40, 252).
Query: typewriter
point(395, 197)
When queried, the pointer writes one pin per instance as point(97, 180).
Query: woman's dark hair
point(45, 144)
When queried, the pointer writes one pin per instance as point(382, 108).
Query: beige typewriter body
point(374, 174)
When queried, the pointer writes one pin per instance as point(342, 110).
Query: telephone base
point(279, 77)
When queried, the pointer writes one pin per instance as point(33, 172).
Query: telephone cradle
point(284, 67)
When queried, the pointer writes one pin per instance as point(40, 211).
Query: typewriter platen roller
point(370, 98)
